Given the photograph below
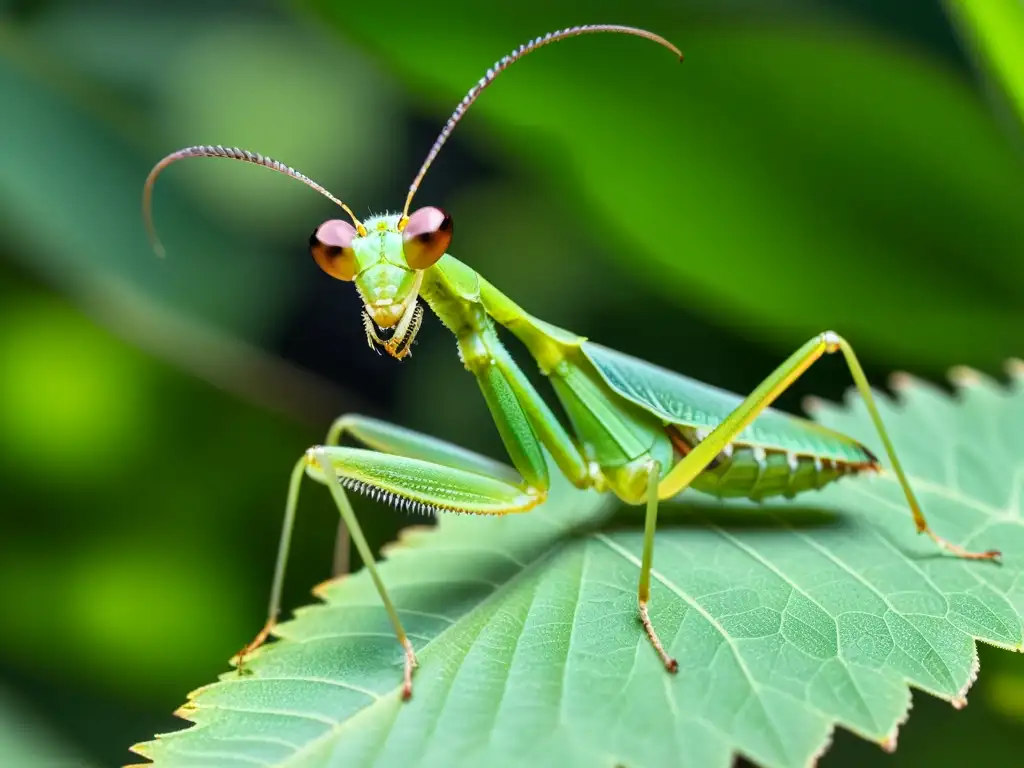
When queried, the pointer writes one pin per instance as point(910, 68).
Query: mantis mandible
point(636, 430)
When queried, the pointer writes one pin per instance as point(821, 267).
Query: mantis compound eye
point(426, 237)
point(331, 246)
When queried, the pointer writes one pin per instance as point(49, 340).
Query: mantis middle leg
point(388, 438)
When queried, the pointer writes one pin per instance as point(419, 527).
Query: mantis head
point(385, 256)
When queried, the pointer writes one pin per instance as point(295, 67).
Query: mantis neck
point(452, 291)
point(466, 303)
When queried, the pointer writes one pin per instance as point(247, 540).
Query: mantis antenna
point(499, 67)
point(231, 153)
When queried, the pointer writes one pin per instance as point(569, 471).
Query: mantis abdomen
point(756, 472)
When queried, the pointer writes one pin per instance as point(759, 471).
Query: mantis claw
point(410, 665)
point(255, 643)
point(670, 664)
point(958, 551)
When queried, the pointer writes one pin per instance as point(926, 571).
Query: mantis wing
point(686, 402)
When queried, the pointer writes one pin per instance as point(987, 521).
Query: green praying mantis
point(636, 430)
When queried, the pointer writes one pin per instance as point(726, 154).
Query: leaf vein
point(303, 679)
point(729, 641)
point(839, 562)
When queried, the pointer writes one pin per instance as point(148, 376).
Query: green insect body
point(777, 455)
point(635, 430)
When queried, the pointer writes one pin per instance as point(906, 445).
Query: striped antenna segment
point(503, 64)
point(231, 153)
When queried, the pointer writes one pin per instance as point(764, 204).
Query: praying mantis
point(635, 430)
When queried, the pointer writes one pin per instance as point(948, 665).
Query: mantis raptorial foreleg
point(411, 469)
point(390, 438)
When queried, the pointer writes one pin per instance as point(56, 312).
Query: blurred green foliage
point(25, 742)
point(994, 30)
point(760, 125)
point(810, 165)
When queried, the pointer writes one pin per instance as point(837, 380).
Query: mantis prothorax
point(636, 430)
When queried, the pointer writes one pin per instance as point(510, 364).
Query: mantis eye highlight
point(426, 237)
point(331, 246)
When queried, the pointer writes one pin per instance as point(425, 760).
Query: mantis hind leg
point(701, 455)
point(777, 382)
point(421, 473)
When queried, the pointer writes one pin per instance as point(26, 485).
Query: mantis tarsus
point(636, 430)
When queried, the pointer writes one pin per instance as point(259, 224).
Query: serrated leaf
point(787, 621)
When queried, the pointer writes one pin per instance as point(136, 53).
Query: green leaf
point(787, 619)
point(75, 158)
point(993, 28)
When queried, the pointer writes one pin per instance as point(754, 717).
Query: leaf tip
point(826, 745)
point(1015, 368)
point(142, 750)
point(964, 376)
point(409, 536)
point(889, 743)
point(320, 590)
point(812, 405)
point(186, 710)
point(960, 700)
point(900, 381)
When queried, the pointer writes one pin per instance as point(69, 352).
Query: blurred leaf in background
point(994, 29)
point(26, 743)
point(810, 165)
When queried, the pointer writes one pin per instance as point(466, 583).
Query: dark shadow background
point(812, 165)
